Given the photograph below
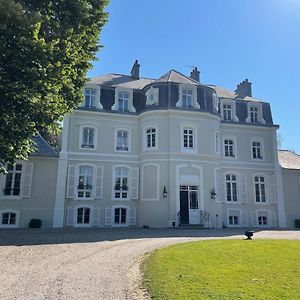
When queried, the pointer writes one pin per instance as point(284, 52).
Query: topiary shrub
point(35, 223)
point(297, 223)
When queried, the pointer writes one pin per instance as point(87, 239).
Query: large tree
point(46, 49)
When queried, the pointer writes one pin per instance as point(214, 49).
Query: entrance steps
point(191, 226)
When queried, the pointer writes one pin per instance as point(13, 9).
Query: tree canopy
point(46, 49)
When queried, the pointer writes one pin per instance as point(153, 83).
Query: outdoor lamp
point(165, 193)
point(213, 193)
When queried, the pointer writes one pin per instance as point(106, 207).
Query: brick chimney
point(195, 74)
point(135, 71)
point(243, 89)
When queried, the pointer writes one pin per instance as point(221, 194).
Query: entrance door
point(189, 205)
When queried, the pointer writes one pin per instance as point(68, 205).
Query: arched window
point(85, 182)
point(231, 188)
point(122, 140)
point(121, 182)
point(260, 189)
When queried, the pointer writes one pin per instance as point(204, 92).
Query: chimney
point(135, 71)
point(195, 74)
point(243, 89)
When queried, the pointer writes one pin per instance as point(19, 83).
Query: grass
point(225, 269)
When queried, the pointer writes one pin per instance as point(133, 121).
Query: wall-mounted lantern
point(165, 193)
point(213, 193)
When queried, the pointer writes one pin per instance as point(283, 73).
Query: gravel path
point(89, 263)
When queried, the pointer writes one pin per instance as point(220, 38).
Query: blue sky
point(228, 40)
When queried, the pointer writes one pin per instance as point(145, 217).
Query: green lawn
point(225, 269)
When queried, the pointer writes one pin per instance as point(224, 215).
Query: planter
point(249, 234)
point(35, 223)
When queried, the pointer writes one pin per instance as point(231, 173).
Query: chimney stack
point(195, 74)
point(243, 89)
point(135, 71)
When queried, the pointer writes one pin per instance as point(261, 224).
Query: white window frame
point(237, 182)
point(257, 105)
point(234, 146)
point(192, 88)
point(128, 139)
point(131, 108)
point(266, 187)
point(152, 96)
point(97, 88)
point(145, 138)
point(129, 183)
point(262, 148)
point(75, 224)
point(188, 149)
point(19, 196)
point(127, 216)
point(77, 181)
point(261, 213)
point(233, 111)
point(9, 211)
point(234, 212)
point(81, 129)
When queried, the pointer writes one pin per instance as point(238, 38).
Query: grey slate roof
point(175, 76)
point(119, 80)
point(43, 148)
point(289, 159)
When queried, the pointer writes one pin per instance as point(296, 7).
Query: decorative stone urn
point(249, 234)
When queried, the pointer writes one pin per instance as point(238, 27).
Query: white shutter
point(99, 184)
point(244, 217)
point(132, 216)
point(71, 182)
point(26, 178)
point(273, 222)
point(135, 183)
point(272, 189)
point(243, 189)
point(220, 186)
point(96, 216)
point(108, 216)
point(2, 184)
point(70, 216)
point(254, 219)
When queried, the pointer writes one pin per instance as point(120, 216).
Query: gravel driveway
point(89, 263)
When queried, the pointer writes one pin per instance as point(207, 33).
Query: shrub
point(35, 223)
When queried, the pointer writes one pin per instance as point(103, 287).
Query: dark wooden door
point(184, 207)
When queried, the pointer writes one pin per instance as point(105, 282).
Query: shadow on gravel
point(26, 237)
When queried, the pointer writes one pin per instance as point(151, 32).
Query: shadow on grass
point(26, 237)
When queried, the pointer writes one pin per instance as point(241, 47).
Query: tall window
point(231, 188)
point(256, 150)
point(260, 189)
point(123, 101)
point(254, 114)
point(188, 138)
point(121, 183)
point(90, 98)
point(262, 220)
point(85, 182)
point(229, 148)
point(83, 215)
point(9, 218)
point(88, 137)
point(227, 112)
point(120, 215)
point(233, 220)
point(187, 98)
point(151, 138)
point(122, 140)
point(13, 180)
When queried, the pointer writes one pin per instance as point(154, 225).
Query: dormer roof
point(177, 77)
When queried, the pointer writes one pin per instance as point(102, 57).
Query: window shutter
point(108, 216)
point(96, 216)
point(254, 219)
point(71, 182)
point(132, 216)
point(70, 216)
point(220, 186)
point(26, 178)
point(244, 221)
point(2, 184)
point(273, 222)
point(99, 188)
point(135, 183)
point(272, 189)
point(243, 188)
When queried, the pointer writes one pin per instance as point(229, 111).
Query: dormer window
point(152, 96)
point(123, 99)
point(187, 97)
point(90, 98)
point(255, 113)
point(227, 112)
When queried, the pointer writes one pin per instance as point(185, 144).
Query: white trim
point(157, 198)
point(8, 210)
point(130, 99)
point(193, 88)
point(261, 141)
point(230, 213)
point(235, 152)
point(81, 127)
point(144, 138)
point(113, 198)
point(233, 111)
point(193, 150)
point(266, 183)
point(128, 130)
point(258, 105)
point(217, 142)
point(154, 92)
point(75, 224)
point(238, 187)
point(96, 87)
point(113, 224)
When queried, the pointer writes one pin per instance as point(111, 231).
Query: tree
point(46, 49)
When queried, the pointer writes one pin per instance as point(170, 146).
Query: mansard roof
point(289, 159)
point(43, 148)
point(175, 76)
